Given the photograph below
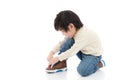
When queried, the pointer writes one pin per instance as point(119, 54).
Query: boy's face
point(71, 32)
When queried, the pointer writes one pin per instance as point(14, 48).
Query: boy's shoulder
point(86, 32)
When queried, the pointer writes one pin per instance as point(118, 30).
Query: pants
point(88, 63)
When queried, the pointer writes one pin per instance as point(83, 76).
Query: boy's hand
point(53, 60)
point(50, 56)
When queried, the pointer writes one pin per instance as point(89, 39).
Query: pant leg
point(88, 64)
point(66, 45)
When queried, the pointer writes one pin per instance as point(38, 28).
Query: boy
point(79, 40)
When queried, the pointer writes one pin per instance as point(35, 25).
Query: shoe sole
point(57, 70)
point(103, 62)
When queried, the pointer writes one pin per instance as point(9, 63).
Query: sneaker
point(101, 63)
point(58, 67)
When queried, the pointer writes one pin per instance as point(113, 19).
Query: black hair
point(64, 18)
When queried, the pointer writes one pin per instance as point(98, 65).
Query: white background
point(27, 34)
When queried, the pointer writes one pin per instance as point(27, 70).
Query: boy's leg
point(88, 64)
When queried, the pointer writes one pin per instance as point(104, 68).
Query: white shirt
point(86, 41)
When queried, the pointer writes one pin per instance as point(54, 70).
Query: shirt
point(86, 41)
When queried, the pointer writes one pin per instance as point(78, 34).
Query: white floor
point(109, 72)
point(35, 70)
point(106, 73)
point(32, 67)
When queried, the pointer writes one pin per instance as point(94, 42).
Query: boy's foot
point(101, 63)
point(58, 67)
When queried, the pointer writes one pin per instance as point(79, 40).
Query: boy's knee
point(82, 72)
point(70, 40)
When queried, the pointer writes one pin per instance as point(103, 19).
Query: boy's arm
point(50, 55)
point(80, 42)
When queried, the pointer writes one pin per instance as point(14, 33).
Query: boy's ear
point(70, 26)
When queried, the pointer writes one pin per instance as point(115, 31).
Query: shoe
point(58, 67)
point(101, 63)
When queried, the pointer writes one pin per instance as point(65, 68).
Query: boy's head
point(67, 22)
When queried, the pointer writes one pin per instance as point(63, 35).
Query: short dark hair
point(64, 18)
